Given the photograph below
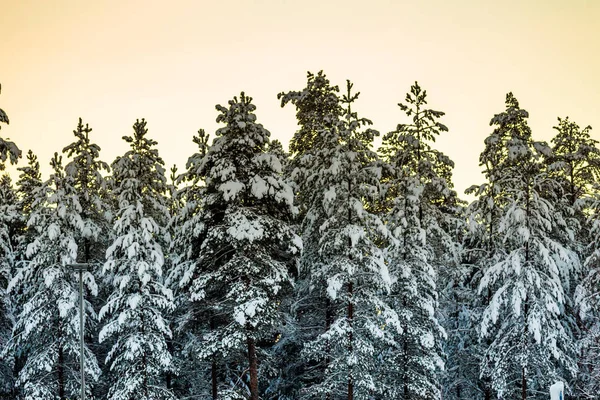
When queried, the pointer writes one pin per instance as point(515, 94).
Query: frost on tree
point(47, 325)
point(237, 267)
point(345, 264)
point(574, 164)
point(193, 374)
point(588, 301)
point(133, 316)
point(10, 224)
point(318, 108)
point(421, 207)
point(85, 170)
point(530, 342)
point(8, 150)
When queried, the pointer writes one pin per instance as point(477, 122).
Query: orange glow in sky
point(111, 62)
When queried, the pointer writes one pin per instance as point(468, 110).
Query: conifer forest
point(335, 269)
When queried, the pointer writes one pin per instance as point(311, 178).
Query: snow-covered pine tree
point(244, 242)
point(195, 376)
point(8, 150)
point(28, 184)
point(422, 205)
point(317, 108)
point(47, 325)
point(134, 313)
point(89, 185)
point(575, 163)
point(525, 315)
point(85, 170)
point(10, 224)
point(588, 300)
point(30, 179)
point(346, 266)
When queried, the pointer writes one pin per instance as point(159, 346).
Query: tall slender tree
point(195, 376)
point(318, 108)
point(525, 315)
point(346, 264)
point(421, 202)
point(133, 316)
point(47, 325)
point(588, 301)
point(574, 164)
point(10, 224)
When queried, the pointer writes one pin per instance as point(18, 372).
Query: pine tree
point(346, 266)
point(588, 301)
point(30, 179)
point(421, 202)
point(10, 223)
point(85, 170)
point(318, 108)
point(134, 313)
point(195, 376)
point(574, 163)
point(525, 314)
point(28, 184)
point(85, 173)
point(47, 325)
point(237, 268)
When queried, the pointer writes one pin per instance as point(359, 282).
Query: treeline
point(336, 271)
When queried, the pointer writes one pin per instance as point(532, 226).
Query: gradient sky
point(111, 62)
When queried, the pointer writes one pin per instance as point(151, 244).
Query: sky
point(112, 62)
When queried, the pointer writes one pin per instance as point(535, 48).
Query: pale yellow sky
point(111, 62)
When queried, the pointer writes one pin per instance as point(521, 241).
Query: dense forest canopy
point(336, 270)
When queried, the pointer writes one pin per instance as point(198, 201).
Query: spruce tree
point(588, 301)
point(421, 202)
point(89, 185)
point(574, 163)
point(133, 316)
point(346, 266)
point(318, 108)
point(525, 315)
point(10, 223)
point(195, 375)
point(237, 267)
point(47, 325)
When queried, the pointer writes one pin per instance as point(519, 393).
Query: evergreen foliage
point(133, 315)
point(47, 325)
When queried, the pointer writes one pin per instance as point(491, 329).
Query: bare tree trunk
point(350, 338)
point(60, 371)
point(252, 359)
point(328, 322)
point(213, 377)
point(523, 385)
point(213, 367)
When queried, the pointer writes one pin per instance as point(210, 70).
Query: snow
point(557, 391)
point(334, 284)
point(231, 189)
point(244, 229)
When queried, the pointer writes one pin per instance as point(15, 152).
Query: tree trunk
point(252, 360)
point(213, 377)
point(213, 367)
point(350, 338)
point(60, 371)
point(328, 322)
point(523, 385)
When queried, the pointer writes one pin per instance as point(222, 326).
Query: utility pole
point(80, 267)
